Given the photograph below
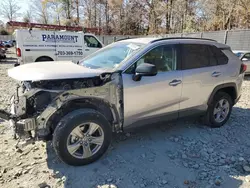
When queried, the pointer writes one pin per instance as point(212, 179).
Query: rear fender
point(220, 87)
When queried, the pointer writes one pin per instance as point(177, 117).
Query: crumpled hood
point(51, 70)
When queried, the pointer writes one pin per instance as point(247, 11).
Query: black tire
point(210, 118)
point(71, 121)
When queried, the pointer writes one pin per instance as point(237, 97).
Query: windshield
point(111, 56)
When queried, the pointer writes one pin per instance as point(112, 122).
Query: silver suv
point(126, 84)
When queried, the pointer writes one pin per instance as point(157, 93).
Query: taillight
point(18, 52)
point(243, 68)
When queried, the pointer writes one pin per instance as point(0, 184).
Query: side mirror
point(145, 69)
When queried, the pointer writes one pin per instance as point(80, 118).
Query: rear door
point(201, 74)
point(69, 46)
point(91, 44)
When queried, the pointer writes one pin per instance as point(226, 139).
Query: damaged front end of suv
point(38, 106)
point(77, 106)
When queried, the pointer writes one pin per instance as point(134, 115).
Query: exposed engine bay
point(36, 102)
point(49, 89)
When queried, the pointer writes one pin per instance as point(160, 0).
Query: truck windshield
point(111, 56)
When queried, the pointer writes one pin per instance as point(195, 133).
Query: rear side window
point(195, 56)
point(222, 59)
point(200, 55)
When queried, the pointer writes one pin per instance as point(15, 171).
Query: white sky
point(24, 4)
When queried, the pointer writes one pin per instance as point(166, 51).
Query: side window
point(212, 57)
point(163, 57)
point(246, 56)
point(220, 56)
point(91, 42)
point(195, 56)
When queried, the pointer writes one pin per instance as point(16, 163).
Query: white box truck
point(40, 45)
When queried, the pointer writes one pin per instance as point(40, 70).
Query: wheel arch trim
point(219, 87)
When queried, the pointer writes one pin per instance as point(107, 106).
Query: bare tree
point(77, 11)
point(41, 10)
point(146, 16)
point(67, 7)
point(28, 15)
point(9, 9)
point(56, 11)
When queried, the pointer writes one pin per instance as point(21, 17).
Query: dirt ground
point(174, 155)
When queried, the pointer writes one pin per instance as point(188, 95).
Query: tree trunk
point(68, 10)
point(171, 14)
point(95, 17)
point(77, 12)
point(107, 16)
point(100, 19)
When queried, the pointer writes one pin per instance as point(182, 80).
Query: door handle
point(175, 82)
point(216, 74)
point(86, 49)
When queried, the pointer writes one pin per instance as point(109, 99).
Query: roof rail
point(121, 39)
point(171, 38)
point(125, 39)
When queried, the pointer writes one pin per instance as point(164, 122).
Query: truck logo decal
point(59, 38)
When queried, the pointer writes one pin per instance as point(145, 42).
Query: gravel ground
point(176, 155)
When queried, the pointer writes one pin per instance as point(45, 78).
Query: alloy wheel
point(221, 110)
point(85, 140)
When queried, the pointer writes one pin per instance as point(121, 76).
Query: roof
point(177, 39)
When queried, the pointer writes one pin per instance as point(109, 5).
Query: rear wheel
point(40, 59)
point(219, 111)
point(82, 137)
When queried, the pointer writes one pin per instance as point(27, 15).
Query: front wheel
point(82, 137)
point(219, 111)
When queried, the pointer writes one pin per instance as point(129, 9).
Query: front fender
point(111, 93)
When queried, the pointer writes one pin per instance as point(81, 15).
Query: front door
point(154, 96)
point(91, 44)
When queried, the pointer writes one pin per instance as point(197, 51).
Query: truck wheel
point(82, 137)
point(40, 59)
point(219, 111)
